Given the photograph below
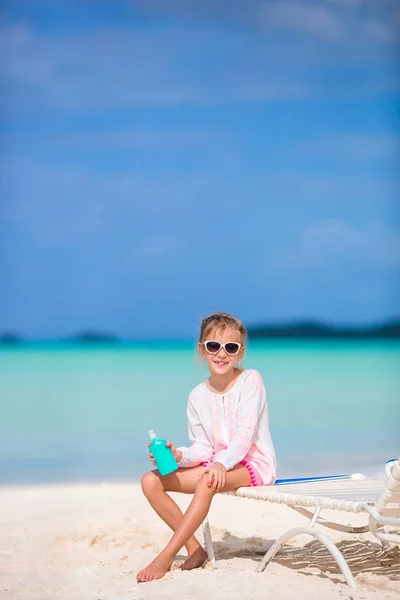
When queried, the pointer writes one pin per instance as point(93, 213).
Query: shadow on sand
point(361, 556)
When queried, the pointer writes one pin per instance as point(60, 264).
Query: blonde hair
point(220, 320)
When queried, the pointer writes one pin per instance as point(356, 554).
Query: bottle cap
point(152, 435)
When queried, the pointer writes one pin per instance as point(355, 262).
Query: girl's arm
point(252, 403)
point(201, 449)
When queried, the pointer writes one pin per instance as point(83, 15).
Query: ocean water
point(81, 413)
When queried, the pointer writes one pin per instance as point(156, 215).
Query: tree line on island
point(298, 330)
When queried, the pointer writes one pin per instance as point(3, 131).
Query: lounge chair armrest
point(395, 522)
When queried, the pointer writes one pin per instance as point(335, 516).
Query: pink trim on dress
point(254, 474)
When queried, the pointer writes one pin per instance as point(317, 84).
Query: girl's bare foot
point(156, 569)
point(195, 560)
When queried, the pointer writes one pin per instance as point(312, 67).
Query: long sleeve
point(252, 403)
point(201, 449)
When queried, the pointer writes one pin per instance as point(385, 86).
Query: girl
point(231, 444)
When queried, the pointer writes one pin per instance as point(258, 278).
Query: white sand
point(87, 542)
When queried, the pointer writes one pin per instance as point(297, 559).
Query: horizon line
point(92, 335)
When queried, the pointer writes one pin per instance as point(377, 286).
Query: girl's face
point(221, 363)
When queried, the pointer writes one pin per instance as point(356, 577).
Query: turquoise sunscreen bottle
point(164, 458)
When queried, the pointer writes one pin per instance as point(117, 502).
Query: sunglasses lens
point(213, 347)
point(232, 348)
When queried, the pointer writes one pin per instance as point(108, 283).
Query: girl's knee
point(150, 483)
point(203, 487)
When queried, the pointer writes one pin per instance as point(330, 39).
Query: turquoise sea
point(81, 413)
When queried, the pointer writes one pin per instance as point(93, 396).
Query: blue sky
point(161, 160)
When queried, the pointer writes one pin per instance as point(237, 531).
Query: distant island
point(315, 330)
point(94, 337)
point(84, 337)
point(10, 337)
point(390, 330)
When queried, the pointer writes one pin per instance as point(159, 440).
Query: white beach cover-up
point(231, 427)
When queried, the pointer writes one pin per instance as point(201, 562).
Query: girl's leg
point(155, 486)
point(194, 516)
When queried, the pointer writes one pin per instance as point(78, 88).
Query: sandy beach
point(87, 542)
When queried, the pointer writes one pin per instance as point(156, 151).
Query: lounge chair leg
point(335, 552)
point(315, 517)
point(209, 543)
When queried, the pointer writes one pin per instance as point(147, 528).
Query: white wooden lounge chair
point(379, 499)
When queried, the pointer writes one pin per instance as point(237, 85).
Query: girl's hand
point(216, 476)
point(177, 454)
point(153, 460)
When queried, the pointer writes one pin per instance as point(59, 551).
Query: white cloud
point(127, 68)
point(336, 244)
point(26, 57)
point(382, 32)
point(304, 18)
point(135, 138)
point(58, 206)
point(169, 66)
point(351, 148)
point(347, 4)
point(155, 249)
point(364, 148)
point(331, 20)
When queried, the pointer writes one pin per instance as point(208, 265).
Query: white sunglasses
point(213, 347)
